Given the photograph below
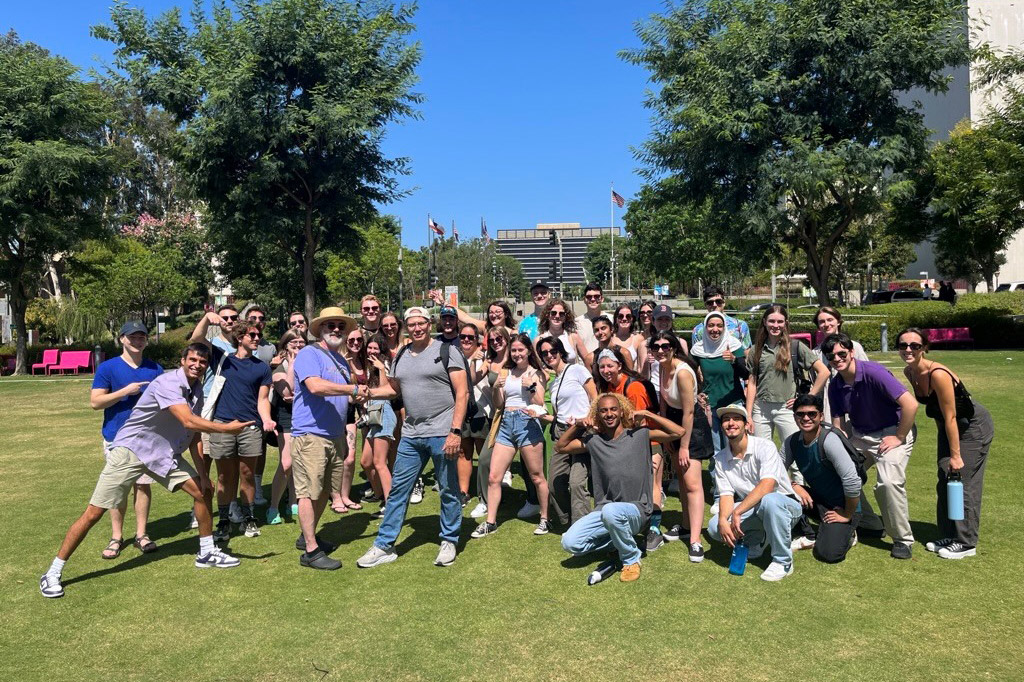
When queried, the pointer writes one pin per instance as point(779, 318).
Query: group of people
point(625, 399)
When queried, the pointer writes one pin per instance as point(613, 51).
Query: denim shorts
point(388, 421)
point(518, 429)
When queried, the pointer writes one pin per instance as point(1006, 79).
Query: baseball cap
point(132, 327)
point(735, 410)
point(661, 311)
point(416, 311)
point(448, 310)
point(539, 283)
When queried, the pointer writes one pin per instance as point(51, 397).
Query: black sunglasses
point(903, 345)
point(661, 346)
point(254, 335)
point(467, 337)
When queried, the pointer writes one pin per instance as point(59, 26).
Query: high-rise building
point(534, 250)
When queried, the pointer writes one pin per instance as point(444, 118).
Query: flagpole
point(611, 211)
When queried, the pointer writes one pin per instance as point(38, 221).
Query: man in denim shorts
point(151, 443)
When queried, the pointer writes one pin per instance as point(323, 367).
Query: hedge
point(166, 351)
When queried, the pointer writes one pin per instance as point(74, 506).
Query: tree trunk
point(19, 303)
point(308, 254)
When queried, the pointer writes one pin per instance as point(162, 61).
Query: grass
point(513, 606)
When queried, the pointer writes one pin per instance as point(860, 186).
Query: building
point(533, 249)
point(1001, 24)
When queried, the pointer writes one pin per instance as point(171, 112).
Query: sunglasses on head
point(807, 415)
point(903, 345)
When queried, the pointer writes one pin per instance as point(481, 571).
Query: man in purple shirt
point(162, 424)
point(878, 412)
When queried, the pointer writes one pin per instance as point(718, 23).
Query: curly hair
point(568, 326)
point(625, 407)
point(239, 329)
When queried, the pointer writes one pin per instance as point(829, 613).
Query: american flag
point(432, 224)
point(455, 232)
point(483, 232)
point(617, 198)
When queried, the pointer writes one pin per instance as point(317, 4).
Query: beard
point(332, 342)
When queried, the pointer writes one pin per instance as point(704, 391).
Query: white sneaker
point(479, 510)
point(192, 523)
point(446, 556)
point(506, 480)
point(776, 572)
point(50, 586)
point(543, 528)
point(235, 513)
point(854, 543)
point(417, 492)
point(251, 529)
point(375, 556)
point(936, 545)
point(216, 558)
point(802, 542)
point(528, 510)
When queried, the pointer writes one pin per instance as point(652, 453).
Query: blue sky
point(530, 114)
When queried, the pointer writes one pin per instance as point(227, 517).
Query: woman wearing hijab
point(722, 367)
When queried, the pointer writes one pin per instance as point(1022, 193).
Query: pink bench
point(73, 360)
point(950, 336)
point(49, 360)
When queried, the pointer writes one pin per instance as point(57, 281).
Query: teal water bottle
point(738, 562)
point(955, 497)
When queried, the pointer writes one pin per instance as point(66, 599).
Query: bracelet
point(355, 390)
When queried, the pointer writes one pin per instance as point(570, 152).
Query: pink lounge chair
point(49, 360)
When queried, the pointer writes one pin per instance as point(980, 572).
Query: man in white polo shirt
point(756, 499)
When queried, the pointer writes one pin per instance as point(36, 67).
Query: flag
point(617, 198)
point(483, 232)
point(455, 232)
point(432, 224)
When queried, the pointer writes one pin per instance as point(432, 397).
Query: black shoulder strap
point(337, 365)
point(794, 357)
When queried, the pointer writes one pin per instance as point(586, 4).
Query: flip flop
point(353, 505)
point(115, 546)
point(145, 545)
point(343, 509)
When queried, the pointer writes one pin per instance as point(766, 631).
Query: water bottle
point(738, 563)
point(602, 572)
point(954, 497)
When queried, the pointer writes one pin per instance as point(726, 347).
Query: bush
point(167, 351)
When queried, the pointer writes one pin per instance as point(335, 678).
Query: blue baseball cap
point(133, 327)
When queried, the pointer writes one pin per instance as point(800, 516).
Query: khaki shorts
point(143, 479)
point(123, 469)
point(317, 461)
point(248, 443)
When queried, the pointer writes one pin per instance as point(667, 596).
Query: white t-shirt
point(568, 396)
point(738, 476)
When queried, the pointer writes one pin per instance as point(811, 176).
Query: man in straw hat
point(431, 378)
point(323, 386)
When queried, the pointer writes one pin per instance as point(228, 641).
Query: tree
point(182, 233)
point(54, 171)
point(283, 105)
point(369, 269)
point(976, 201)
point(597, 260)
point(786, 114)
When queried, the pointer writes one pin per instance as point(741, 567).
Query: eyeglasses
point(254, 335)
point(903, 345)
point(296, 323)
point(467, 337)
point(229, 318)
point(838, 355)
point(370, 308)
point(556, 313)
point(331, 326)
point(716, 302)
point(594, 297)
point(806, 416)
point(661, 347)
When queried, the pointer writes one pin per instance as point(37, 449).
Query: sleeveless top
point(670, 393)
point(961, 397)
point(514, 392)
point(571, 357)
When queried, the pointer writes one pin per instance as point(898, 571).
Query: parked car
point(757, 307)
point(1011, 286)
point(886, 296)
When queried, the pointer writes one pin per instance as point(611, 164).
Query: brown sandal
point(113, 548)
point(145, 545)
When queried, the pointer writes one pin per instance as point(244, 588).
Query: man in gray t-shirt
point(435, 393)
point(620, 459)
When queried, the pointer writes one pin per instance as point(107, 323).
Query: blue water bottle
point(955, 497)
point(738, 563)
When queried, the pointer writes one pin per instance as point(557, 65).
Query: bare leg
point(691, 494)
point(246, 471)
point(201, 507)
point(465, 465)
point(284, 471)
point(117, 521)
point(533, 458)
point(143, 499)
point(227, 480)
point(348, 468)
point(79, 529)
point(501, 457)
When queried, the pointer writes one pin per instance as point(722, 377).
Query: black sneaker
point(696, 553)
point(484, 529)
point(379, 514)
point(675, 532)
point(956, 550)
point(900, 550)
point(222, 533)
point(463, 499)
point(327, 547)
point(319, 560)
point(654, 539)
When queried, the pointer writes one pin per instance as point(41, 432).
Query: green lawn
point(513, 607)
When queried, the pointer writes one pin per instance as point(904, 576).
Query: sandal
point(339, 509)
point(113, 549)
point(145, 545)
point(354, 505)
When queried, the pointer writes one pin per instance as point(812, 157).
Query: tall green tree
point(790, 116)
point(54, 170)
point(284, 105)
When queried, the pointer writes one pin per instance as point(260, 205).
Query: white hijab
point(708, 347)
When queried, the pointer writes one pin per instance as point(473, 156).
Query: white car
point(1011, 286)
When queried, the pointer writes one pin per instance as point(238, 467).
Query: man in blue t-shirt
point(540, 294)
point(116, 387)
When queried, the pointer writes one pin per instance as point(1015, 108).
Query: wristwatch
point(455, 432)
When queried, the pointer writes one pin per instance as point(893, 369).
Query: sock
point(246, 511)
point(656, 519)
point(205, 545)
point(57, 567)
point(258, 482)
point(223, 511)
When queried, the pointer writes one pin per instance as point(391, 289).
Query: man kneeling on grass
point(162, 424)
point(756, 500)
point(620, 457)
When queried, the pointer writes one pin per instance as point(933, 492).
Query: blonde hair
point(625, 407)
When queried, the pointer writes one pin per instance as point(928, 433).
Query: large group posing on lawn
point(633, 412)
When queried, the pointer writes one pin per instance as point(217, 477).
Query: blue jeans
point(774, 516)
point(412, 456)
point(613, 524)
point(518, 429)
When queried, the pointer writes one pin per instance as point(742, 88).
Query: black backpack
point(854, 453)
point(801, 374)
point(446, 359)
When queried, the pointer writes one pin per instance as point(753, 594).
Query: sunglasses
point(627, 316)
point(467, 337)
point(389, 326)
point(331, 326)
point(254, 335)
point(229, 318)
point(358, 340)
point(661, 347)
point(255, 318)
point(548, 351)
point(903, 345)
point(593, 297)
point(806, 416)
point(646, 313)
point(556, 313)
point(840, 355)
point(540, 294)
point(296, 323)
point(495, 340)
point(371, 309)
point(715, 302)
